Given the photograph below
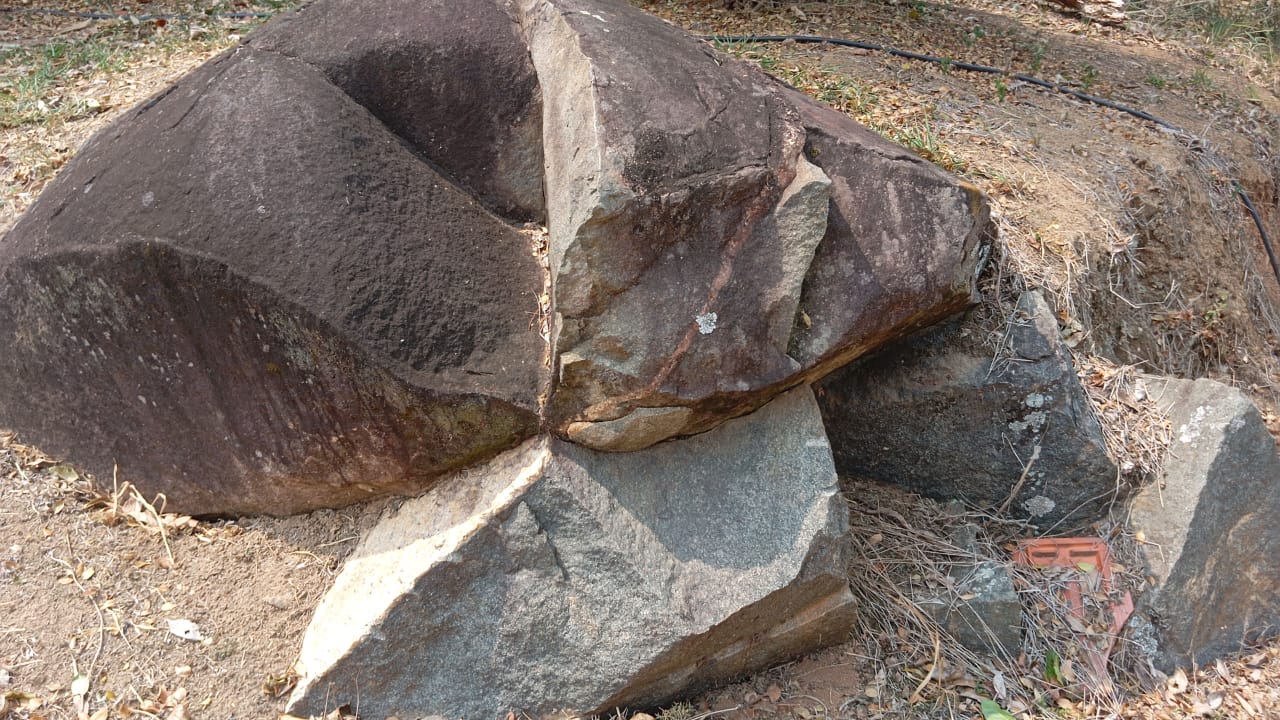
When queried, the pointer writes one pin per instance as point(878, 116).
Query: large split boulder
point(1208, 529)
point(557, 579)
point(301, 276)
point(717, 237)
point(948, 417)
point(314, 271)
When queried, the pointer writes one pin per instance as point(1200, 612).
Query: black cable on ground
point(1257, 220)
point(987, 69)
point(959, 65)
point(139, 18)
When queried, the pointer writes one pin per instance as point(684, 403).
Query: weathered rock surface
point(939, 416)
point(1210, 530)
point(982, 611)
point(295, 278)
point(249, 295)
point(686, 208)
point(559, 579)
point(453, 79)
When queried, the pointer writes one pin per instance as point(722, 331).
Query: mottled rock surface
point(947, 417)
point(1210, 528)
point(556, 578)
point(982, 610)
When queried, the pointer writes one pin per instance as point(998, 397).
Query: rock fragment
point(946, 417)
point(560, 579)
point(249, 295)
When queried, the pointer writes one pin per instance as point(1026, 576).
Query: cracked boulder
point(557, 579)
point(309, 273)
point(715, 236)
point(251, 295)
point(948, 417)
point(1208, 530)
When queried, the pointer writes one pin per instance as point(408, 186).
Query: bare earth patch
point(1133, 231)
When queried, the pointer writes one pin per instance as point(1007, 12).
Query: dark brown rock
point(564, 582)
point(902, 246)
point(685, 214)
point(454, 79)
point(249, 295)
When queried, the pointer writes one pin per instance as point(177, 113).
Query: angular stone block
point(938, 417)
point(556, 578)
point(686, 208)
point(1209, 528)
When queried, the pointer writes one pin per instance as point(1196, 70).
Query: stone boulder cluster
point(569, 277)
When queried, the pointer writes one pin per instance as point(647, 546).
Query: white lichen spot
point(1191, 431)
point(1036, 400)
point(1039, 505)
point(148, 199)
point(1033, 422)
point(706, 322)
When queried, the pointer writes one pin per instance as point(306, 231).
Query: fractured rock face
point(249, 295)
point(300, 276)
point(560, 579)
point(942, 417)
point(452, 79)
point(686, 208)
point(1209, 527)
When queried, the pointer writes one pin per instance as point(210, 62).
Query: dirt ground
point(1134, 232)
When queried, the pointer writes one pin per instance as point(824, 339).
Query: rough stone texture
point(939, 416)
point(453, 79)
point(901, 249)
point(310, 287)
point(249, 295)
point(557, 578)
point(1211, 535)
point(685, 210)
point(988, 622)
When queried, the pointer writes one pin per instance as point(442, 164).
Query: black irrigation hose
point(1059, 87)
point(1257, 220)
point(139, 18)
point(959, 65)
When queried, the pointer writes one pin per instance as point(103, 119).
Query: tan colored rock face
point(695, 210)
